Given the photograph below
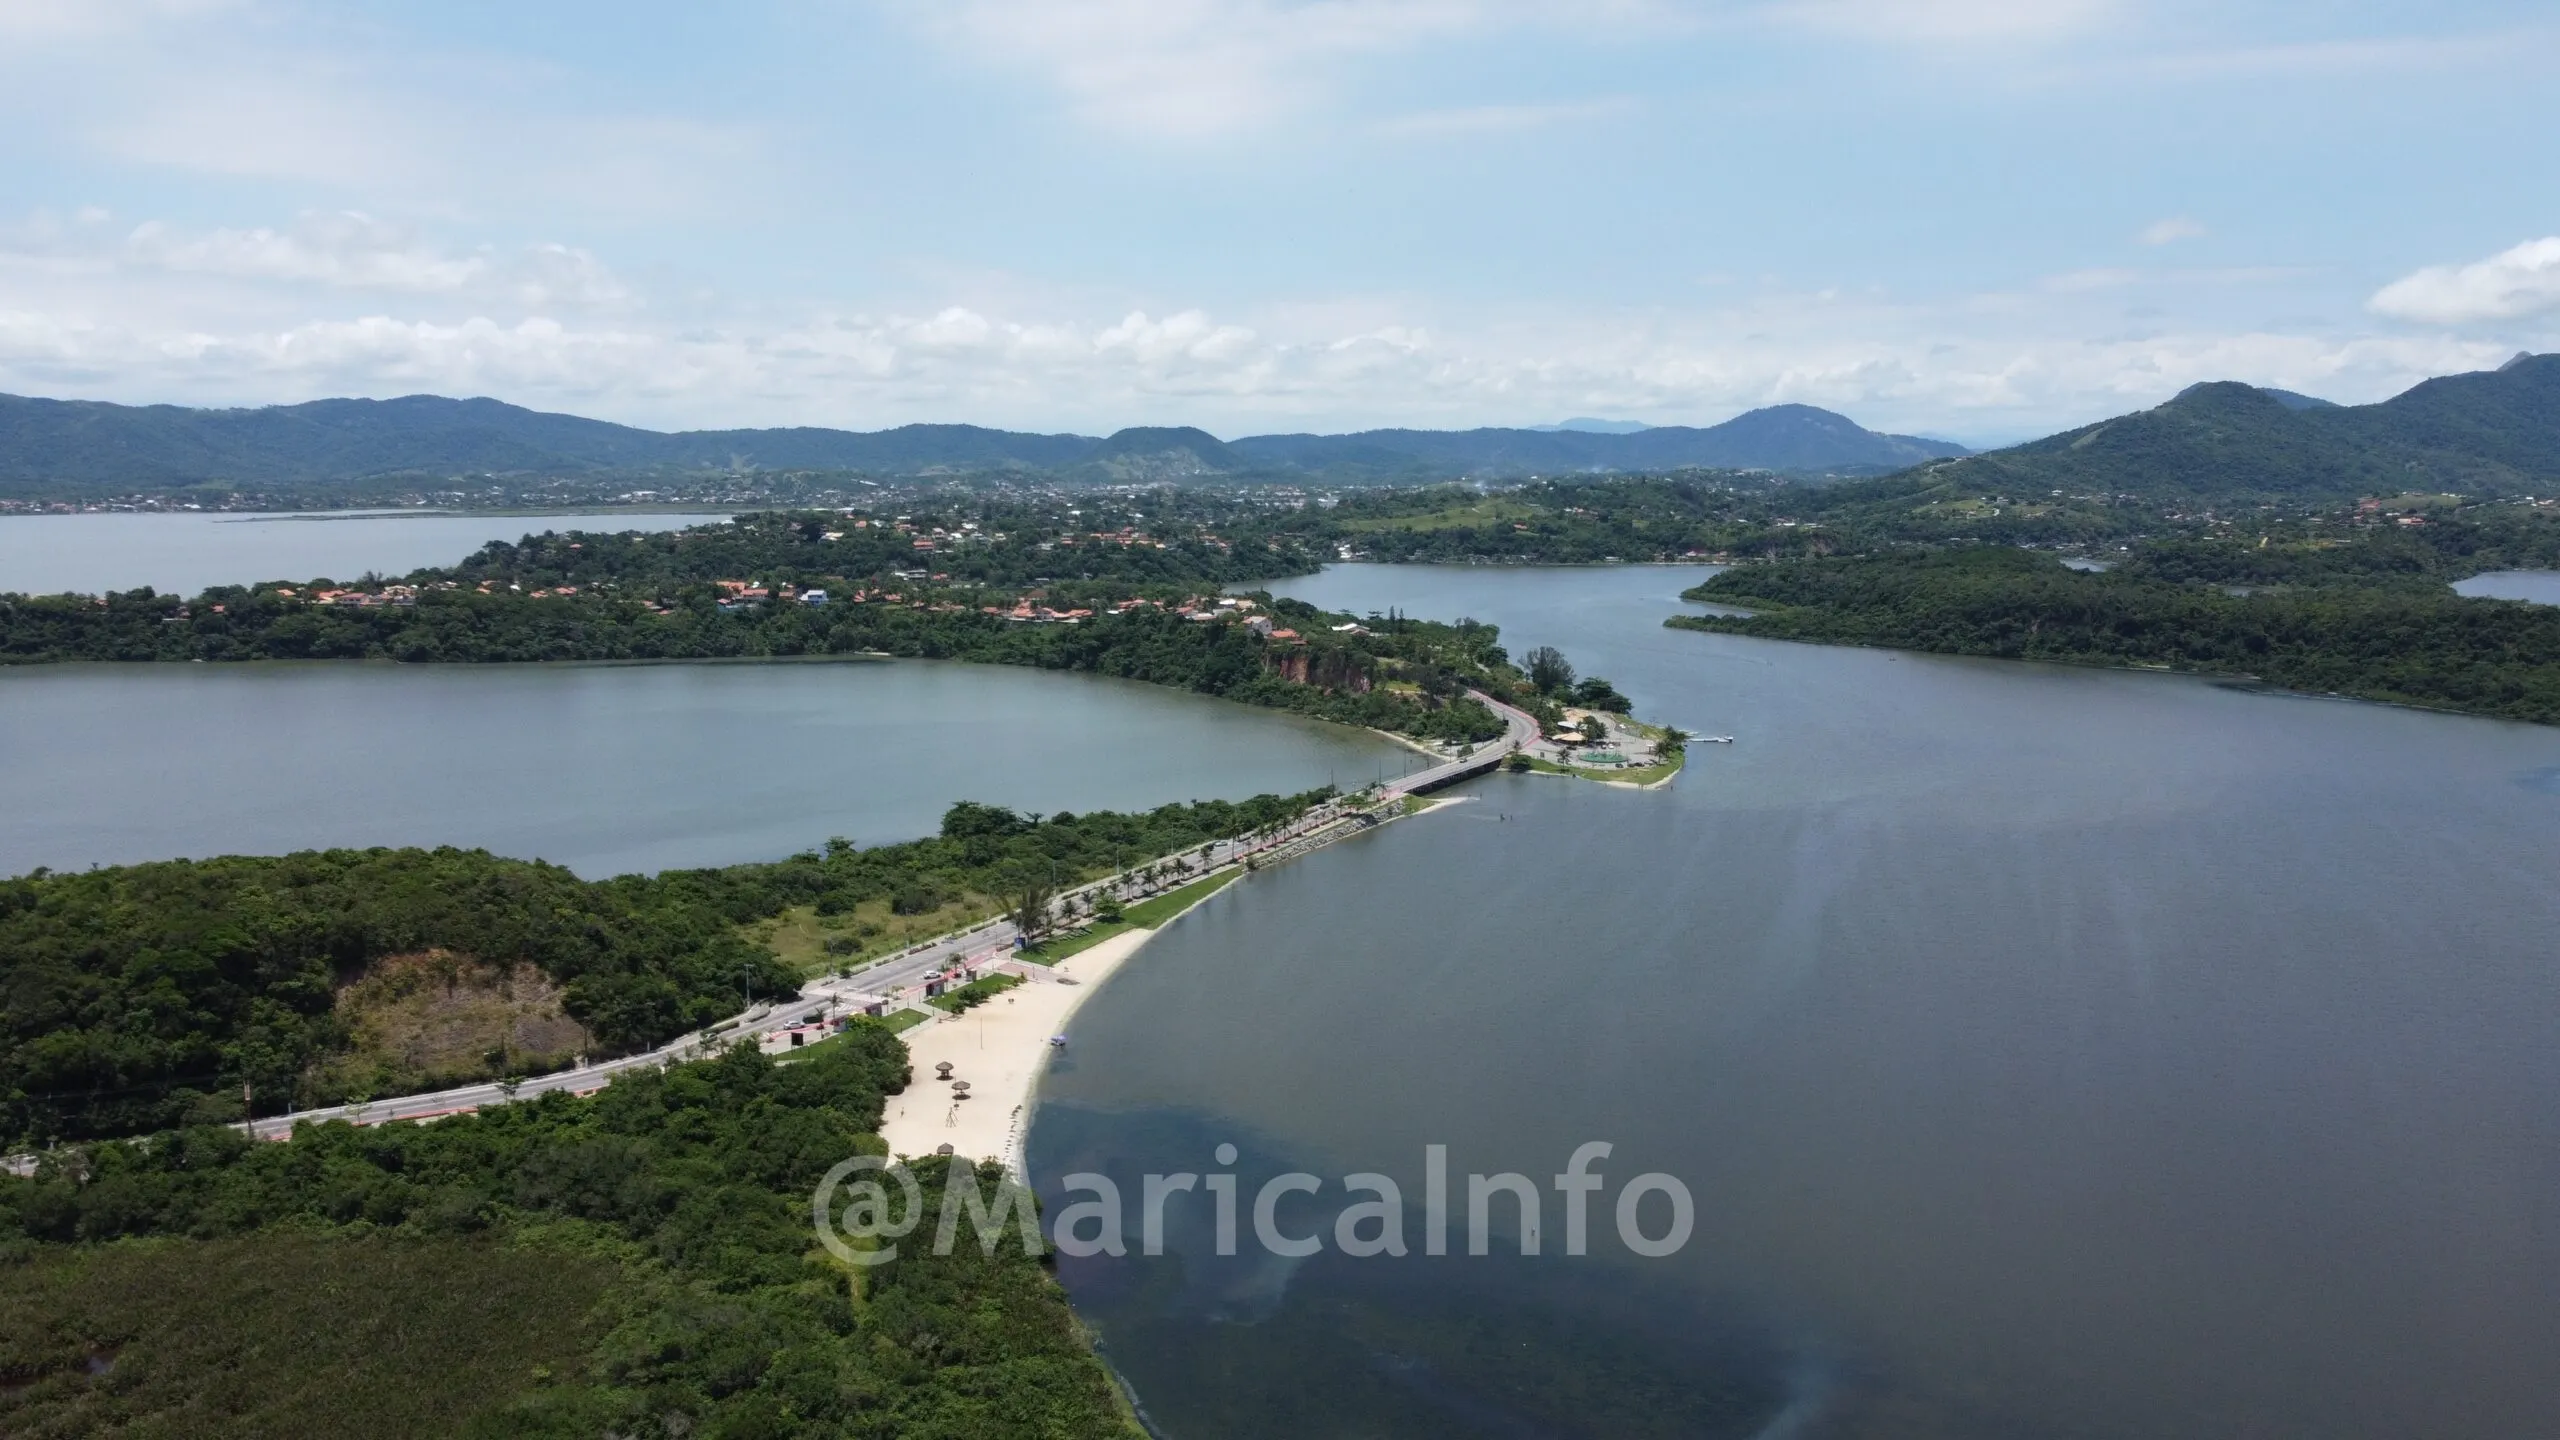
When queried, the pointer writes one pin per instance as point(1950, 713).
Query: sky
point(1977, 219)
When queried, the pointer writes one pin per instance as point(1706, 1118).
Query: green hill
point(54, 449)
point(2489, 432)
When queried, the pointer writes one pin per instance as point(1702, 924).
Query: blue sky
point(1975, 218)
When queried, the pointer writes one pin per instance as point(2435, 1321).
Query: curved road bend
point(1518, 729)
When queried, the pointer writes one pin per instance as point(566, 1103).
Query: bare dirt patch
point(436, 1018)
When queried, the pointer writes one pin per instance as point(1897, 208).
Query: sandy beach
point(1001, 1048)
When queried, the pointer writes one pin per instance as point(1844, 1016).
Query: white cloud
point(332, 250)
point(2351, 56)
point(341, 109)
point(1187, 68)
point(2018, 369)
point(2171, 231)
point(1504, 119)
point(341, 249)
point(59, 20)
point(2510, 285)
point(1951, 20)
point(2077, 282)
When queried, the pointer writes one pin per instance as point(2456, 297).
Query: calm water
point(2542, 586)
point(184, 553)
point(605, 769)
point(2051, 1053)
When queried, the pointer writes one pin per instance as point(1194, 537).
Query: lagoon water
point(182, 553)
point(2049, 1051)
point(605, 769)
point(2540, 586)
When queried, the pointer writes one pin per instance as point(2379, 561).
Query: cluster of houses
point(926, 541)
point(360, 599)
point(1125, 537)
point(2375, 508)
point(746, 594)
point(1026, 613)
point(1029, 609)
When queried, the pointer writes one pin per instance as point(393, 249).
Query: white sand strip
point(1002, 1049)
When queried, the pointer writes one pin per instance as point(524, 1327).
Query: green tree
point(1549, 671)
point(1031, 906)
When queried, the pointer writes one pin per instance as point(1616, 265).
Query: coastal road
point(985, 943)
point(981, 945)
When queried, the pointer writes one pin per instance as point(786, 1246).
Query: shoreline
point(2238, 680)
point(1002, 1049)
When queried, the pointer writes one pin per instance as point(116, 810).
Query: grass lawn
point(280, 1335)
point(800, 936)
point(1152, 913)
point(896, 1022)
point(976, 992)
point(1146, 915)
point(1059, 947)
point(1643, 776)
point(1456, 517)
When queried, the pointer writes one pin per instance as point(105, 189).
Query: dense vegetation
point(1341, 677)
point(319, 1334)
point(721, 1320)
point(2494, 432)
point(2420, 645)
point(636, 597)
point(143, 997)
point(2214, 455)
point(2441, 542)
point(1711, 517)
point(351, 448)
point(1159, 539)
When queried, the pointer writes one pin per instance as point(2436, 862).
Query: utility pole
point(248, 1110)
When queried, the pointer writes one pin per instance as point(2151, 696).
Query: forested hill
point(1797, 438)
point(2380, 630)
point(75, 443)
point(143, 997)
point(2493, 431)
point(61, 448)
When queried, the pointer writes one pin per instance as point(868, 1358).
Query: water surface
point(605, 769)
point(2540, 586)
point(2051, 1051)
point(184, 553)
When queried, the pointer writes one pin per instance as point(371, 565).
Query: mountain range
point(2491, 431)
point(51, 445)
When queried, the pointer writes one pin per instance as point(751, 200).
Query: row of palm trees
point(1039, 907)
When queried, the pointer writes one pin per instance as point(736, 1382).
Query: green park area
point(1145, 915)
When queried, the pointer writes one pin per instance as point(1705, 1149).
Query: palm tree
point(1031, 907)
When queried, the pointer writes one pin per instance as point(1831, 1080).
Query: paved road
point(1519, 728)
point(983, 944)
